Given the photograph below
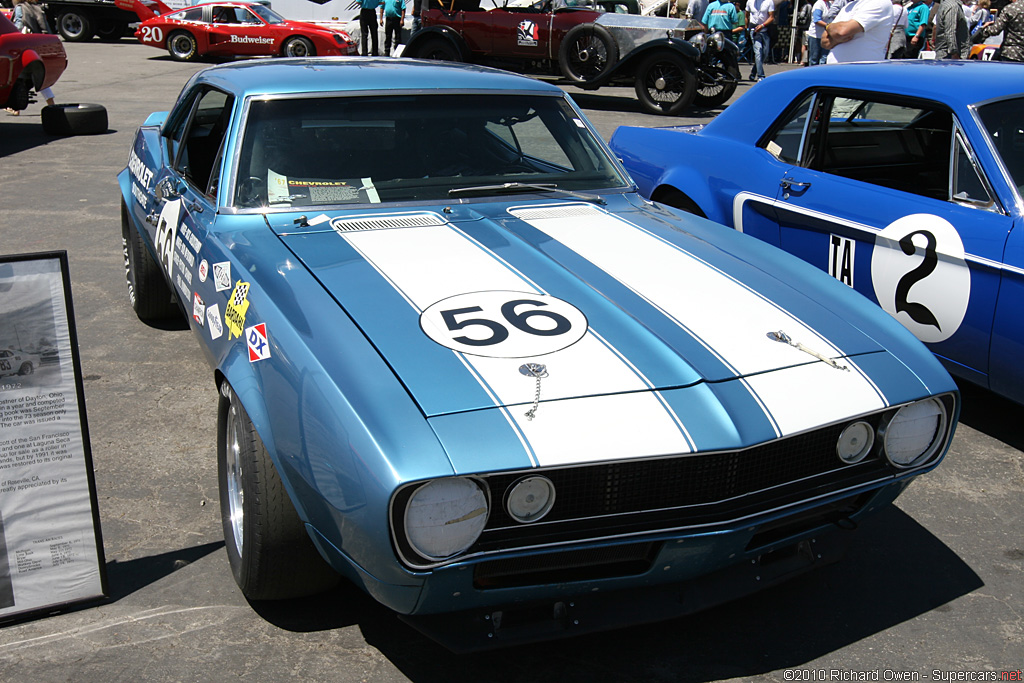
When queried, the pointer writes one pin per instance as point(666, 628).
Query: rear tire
point(270, 553)
point(74, 26)
point(588, 53)
point(181, 45)
point(110, 30)
point(297, 46)
point(148, 292)
point(439, 49)
point(665, 83)
point(74, 119)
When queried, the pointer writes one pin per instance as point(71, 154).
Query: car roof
point(349, 74)
point(957, 83)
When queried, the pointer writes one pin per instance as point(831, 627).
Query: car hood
point(470, 303)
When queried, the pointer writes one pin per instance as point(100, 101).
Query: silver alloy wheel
point(233, 476)
point(182, 46)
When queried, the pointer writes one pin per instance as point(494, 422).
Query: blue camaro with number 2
point(900, 179)
point(463, 364)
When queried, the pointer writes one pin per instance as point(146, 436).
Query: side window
point(968, 185)
point(202, 140)
point(790, 139)
point(895, 145)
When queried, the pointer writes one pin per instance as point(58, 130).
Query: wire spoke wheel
point(665, 83)
point(587, 54)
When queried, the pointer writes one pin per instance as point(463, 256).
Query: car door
point(186, 194)
point(521, 31)
point(238, 31)
point(888, 197)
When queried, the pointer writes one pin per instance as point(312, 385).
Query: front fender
point(629, 63)
point(450, 35)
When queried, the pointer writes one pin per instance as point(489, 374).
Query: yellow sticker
point(234, 312)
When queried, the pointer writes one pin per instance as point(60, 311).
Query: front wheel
point(297, 46)
point(716, 80)
point(181, 45)
point(587, 53)
point(26, 369)
point(665, 83)
point(438, 49)
point(74, 26)
point(271, 556)
point(148, 292)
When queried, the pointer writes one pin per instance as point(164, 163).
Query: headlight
point(445, 517)
point(718, 40)
point(914, 432)
point(699, 41)
point(529, 499)
point(855, 442)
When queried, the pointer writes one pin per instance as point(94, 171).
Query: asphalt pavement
point(930, 587)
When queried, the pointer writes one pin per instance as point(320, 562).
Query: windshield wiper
point(543, 187)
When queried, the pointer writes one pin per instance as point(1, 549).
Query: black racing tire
point(148, 292)
point(110, 30)
point(74, 119)
point(665, 83)
point(26, 368)
point(298, 46)
point(74, 26)
point(676, 199)
point(588, 53)
point(270, 553)
point(716, 80)
point(438, 49)
point(182, 46)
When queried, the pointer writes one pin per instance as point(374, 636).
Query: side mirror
point(169, 188)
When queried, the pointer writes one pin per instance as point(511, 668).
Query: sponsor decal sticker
point(256, 340)
point(253, 40)
point(213, 321)
point(527, 34)
point(198, 308)
point(204, 270)
point(222, 276)
point(234, 312)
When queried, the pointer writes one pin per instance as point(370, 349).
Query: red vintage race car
point(239, 29)
point(28, 61)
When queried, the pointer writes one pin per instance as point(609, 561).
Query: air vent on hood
point(411, 220)
point(540, 212)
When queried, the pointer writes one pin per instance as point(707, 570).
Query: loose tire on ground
point(148, 292)
point(717, 81)
point(270, 553)
point(74, 119)
point(74, 26)
point(665, 83)
point(438, 49)
point(588, 53)
point(297, 46)
point(181, 46)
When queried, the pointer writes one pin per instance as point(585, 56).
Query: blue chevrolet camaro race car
point(462, 363)
point(901, 179)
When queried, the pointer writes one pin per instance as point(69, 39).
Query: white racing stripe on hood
point(725, 316)
point(430, 263)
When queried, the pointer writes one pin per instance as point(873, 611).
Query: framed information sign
point(51, 548)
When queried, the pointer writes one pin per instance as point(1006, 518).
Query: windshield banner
point(51, 551)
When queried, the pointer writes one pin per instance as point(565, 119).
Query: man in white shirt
point(860, 32)
point(760, 14)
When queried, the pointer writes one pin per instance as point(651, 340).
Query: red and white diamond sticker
point(198, 308)
point(256, 339)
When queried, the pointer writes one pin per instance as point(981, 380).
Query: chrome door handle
point(792, 184)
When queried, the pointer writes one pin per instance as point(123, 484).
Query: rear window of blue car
point(329, 150)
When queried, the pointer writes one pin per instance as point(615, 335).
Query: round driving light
point(445, 517)
point(530, 498)
point(855, 442)
point(914, 432)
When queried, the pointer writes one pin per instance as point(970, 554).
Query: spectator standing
point(860, 32)
point(760, 15)
point(950, 35)
point(917, 27)
point(368, 24)
point(720, 16)
point(29, 17)
point(898, 33)
point(695, 9)
point(816, 54)
point(739, 27)
point(982, 15)
point(1009, 22)
point(392, 16)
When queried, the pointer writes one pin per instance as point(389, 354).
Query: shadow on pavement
point(895, 570)
point(124, 578)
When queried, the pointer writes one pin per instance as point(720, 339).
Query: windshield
point(266, 14)
point(1004, 121)
point(343, 150)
